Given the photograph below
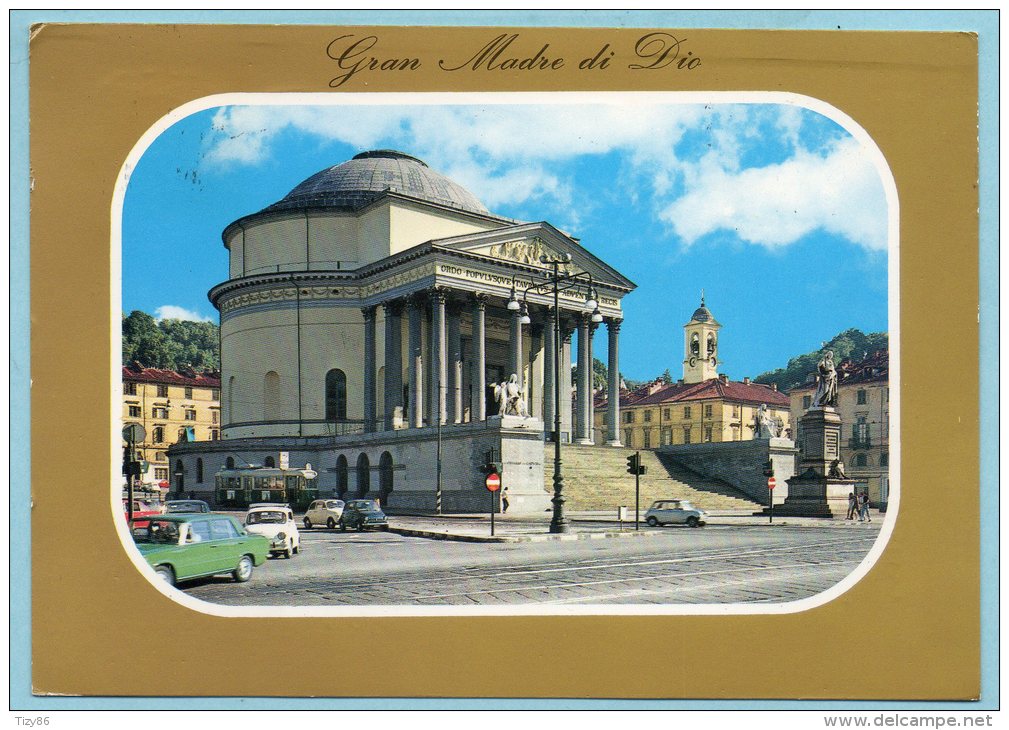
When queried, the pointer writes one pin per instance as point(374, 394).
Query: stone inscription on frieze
point(571, 295)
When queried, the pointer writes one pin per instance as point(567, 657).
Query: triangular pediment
point(527, 243)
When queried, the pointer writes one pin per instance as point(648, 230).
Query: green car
point(185, 546)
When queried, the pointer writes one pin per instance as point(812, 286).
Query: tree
point(171, 343)
point(851, 344)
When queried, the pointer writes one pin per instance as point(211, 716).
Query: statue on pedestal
point(766, 427)
point(510, 398)
point(826, 382)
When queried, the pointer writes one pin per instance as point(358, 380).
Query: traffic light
point(768, 468)
point(634, 464)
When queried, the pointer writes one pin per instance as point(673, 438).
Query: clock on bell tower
point(700, 361)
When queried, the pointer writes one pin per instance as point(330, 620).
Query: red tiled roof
point(139, 374)
point(713, 389)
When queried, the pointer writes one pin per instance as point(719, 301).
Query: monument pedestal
point(820, 489)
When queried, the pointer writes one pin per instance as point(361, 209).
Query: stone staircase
point(596, 478)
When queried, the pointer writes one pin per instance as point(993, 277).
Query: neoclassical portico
point(458, 338)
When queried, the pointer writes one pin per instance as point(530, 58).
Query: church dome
point(701, 314)
point(357, 182)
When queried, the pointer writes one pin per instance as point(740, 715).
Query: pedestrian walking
point(863, 510)
point(851, 506)
point(504, 500)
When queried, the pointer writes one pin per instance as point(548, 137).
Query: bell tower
point(700, 346)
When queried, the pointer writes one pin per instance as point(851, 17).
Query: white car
point(323, 512)
point(276, 522)
point(675, 512)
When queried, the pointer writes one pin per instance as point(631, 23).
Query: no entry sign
point(771, 484)
point(493, 482)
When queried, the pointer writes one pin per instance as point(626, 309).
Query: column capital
point(369, 311)
point(393, 306)
point(480, 300)
point(613, 323)
point(437, 294)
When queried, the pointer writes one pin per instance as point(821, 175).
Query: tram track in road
point(651, 575)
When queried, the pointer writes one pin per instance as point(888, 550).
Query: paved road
point(730, 564)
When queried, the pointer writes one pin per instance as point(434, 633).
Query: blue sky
point(775, 211)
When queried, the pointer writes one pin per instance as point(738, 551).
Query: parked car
point(182, 506)
point(324, 512)
point(363, 513)
point(675, 512)
point(141, 509)
point(181, 547)
point(275, 522)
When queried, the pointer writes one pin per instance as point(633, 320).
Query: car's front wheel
point(308, 523)
point(652, 522)
point(243, 572)
point(330, 523)
point(166, 574)
point(692, 522)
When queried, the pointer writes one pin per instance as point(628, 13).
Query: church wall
point(373, 234)
point(276, 245)
point(333, 241)
point(410, 226)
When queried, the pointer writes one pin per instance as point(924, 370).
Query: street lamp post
point(559, 523)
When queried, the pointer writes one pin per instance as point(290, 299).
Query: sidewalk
point(585, 526)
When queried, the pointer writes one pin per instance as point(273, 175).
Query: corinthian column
point(370, 386)
point(515, 353)
point(479, 375)
point(436, 413)
point(583, 428)
point(550, 347)
point(613, 386)
point(454, 364)
point(393, 361)
point(415, 313)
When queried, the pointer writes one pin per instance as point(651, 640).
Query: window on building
point(667, 436)
point(215, 394)
point(161, 473)
point(686, 411)
point(707, 433)
point(269, 462)
point(860, 431)
point(190, 414)
point(135, 411)
point(860, 397)
point(628, 416)
point(229, 463)
point(159, 412)
point(708, 410)
point(199, 471)
point(130, 388)
point(860, 460)
point(214, 416)
point(162, 391)
point(884, 459)
point(336, 396)
point(665, 413)
point(161, 456)
point(159, 435)
point(686, 435)
point(628, 438)
point(735, 411)
point(189, 392)
point(648, 438)
point(648, 416)
point(807, 401)
point(271, 396)
point(214, 434)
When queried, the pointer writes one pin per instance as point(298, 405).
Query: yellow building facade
point(172, 406)
point(703, 406)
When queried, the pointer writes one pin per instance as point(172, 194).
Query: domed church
point(373, 312)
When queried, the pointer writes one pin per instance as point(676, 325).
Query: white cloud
point(170, 311)
point(685, 160)
point(776, 205)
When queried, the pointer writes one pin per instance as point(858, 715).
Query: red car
point(141, 509)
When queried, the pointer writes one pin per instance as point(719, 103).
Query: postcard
point(607, 356)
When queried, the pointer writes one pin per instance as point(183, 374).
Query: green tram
point(239, 488)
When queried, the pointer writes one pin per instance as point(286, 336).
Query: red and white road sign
point(493, 482)
point(771, 484)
